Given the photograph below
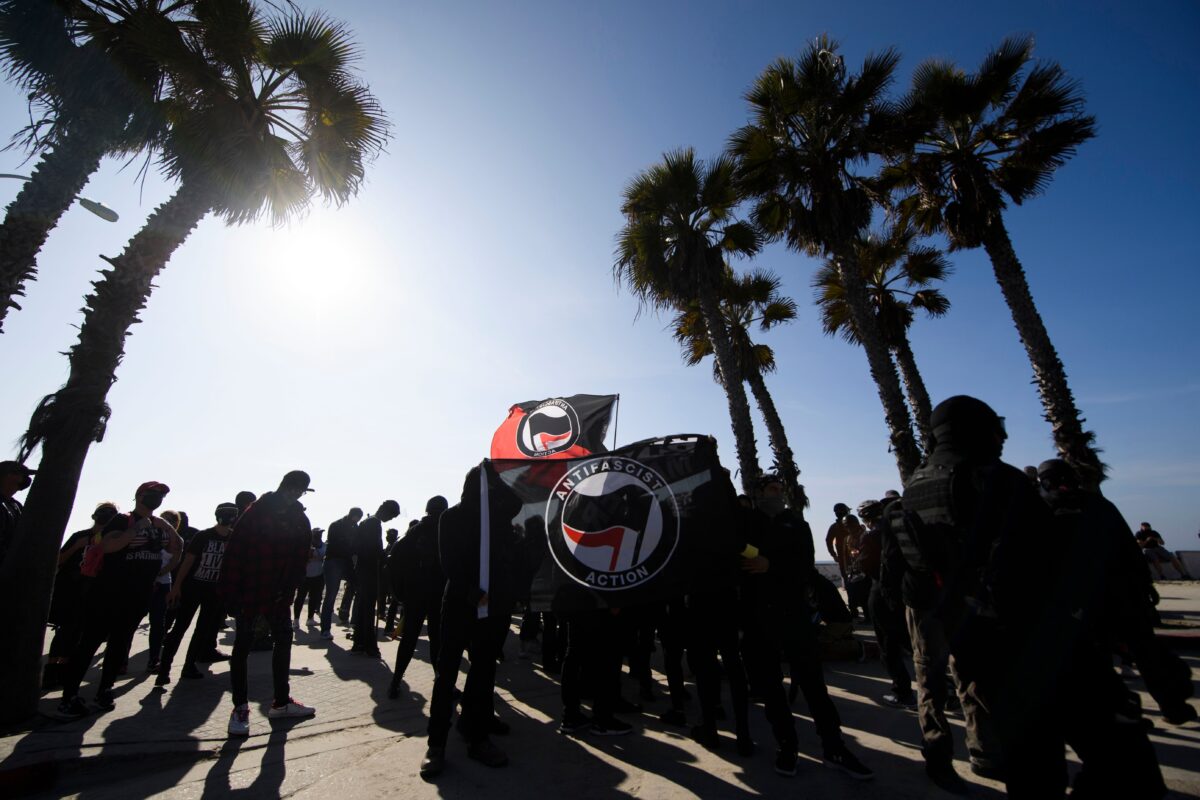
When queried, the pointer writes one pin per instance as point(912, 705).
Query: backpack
point(93, 557)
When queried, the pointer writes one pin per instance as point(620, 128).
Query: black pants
point(158, 618)
point(113, 615)
point(312, 589)
point(416, 609)
point(365, 628)
point(531, 625)
point(672, 626)
point(763, 660)
point(593, 655)
point(891, 631)
point(711, 631)
point(195, 596)
point(281, 653)
point(71, 603)
point(462, 631)
point(554, 641)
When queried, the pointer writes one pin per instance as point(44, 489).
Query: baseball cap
point(15, 466)
point(153, 486)
point(297, 478)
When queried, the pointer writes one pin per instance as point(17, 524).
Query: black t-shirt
point(1149, 538)
point(341, 539)
point(136, 565)
point(368, 542)
point(10, 516)
point(208, 548)
point(70, 567)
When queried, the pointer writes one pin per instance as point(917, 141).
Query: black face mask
point(104, 517)
point(151, 500)
point(227, 519)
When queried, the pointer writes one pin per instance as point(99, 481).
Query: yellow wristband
point(750, 552)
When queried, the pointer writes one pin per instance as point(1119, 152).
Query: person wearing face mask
point(14, 477)
point(195, 590)
point(71, 587)
point(133, 544)
point(785, 557)
point(264, 564)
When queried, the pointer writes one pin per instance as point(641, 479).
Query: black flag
point(634, 525)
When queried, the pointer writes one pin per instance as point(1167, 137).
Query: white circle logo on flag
point(550, 428)
point(612, 523)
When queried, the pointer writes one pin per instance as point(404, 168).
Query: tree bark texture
point(55, 182)
point(883, 369)
point(785, 460)
point(1075, 445)
point(918, 395)
point(65, 425)
point(735, 391)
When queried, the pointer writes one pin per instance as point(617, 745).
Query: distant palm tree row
point(837, 169)
point(250, 115)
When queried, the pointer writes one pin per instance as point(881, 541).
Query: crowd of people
point(1021, 646)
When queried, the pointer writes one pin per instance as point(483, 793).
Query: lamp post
point(99, 209)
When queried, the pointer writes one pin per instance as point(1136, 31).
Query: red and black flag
point(558, 427)
point(640, 524)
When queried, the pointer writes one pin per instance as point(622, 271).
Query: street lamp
point(99, 209)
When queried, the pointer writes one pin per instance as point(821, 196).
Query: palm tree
point(84, 66)
point(812, 124)
point(679, 228)
point(747, 301)
point(898, 275)
point(268, 115)
point(981, 140)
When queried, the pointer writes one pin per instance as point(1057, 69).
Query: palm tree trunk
point(65, 424)
point(883, 369)
point(735, 391)
point(56, 180)
point(918, 395)
point(785, 461)
point(1075, 445)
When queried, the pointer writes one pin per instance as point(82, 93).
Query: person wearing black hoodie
point(476, 610)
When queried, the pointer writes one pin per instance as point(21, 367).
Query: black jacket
point(458, 546)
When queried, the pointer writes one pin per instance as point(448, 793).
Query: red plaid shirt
point(266, 556)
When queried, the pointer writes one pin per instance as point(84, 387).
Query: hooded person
point(479, 554)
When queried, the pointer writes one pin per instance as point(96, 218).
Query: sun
point(318, 266)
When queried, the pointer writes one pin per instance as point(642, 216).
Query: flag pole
point(485, 538)
point(616, 420)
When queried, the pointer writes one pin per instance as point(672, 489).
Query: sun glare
point(317, 267)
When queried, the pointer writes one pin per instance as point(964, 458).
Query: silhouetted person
point(474, 617)
point(1101, 603)
point(133, 544)
point(68, 608)
point(196, 590)
point(422, 584)
point(14, 477)
point(369, 552)
point(264, 563)
point(339, 567)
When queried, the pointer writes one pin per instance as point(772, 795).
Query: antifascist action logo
point(550, 428)
point(612, 523)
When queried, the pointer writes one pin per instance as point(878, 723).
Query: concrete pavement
point(171, 743)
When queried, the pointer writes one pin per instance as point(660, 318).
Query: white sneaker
point(291, 709)
point(239, 721)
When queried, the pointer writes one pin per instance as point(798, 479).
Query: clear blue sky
point(379, 345)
